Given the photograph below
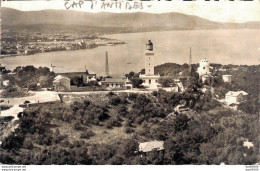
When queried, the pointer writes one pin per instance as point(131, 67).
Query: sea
point(241, 47)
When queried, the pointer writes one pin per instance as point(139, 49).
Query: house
point(6, 83)
point(248, 144)
point(61, 83)
point(117, 83)
point(87, 76)
point(151, 146)
point(227, 78)
point(235, 97)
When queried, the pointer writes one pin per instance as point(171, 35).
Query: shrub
point(129, 123)
point(155, 93)
point(4, 107)
point(124, 100)
point(111, 93)
point(116, 123)
point(115, 101)
point(87, 134)
point(12, 92)
point(26, 101)
point(123, 111)
point(113, 123)
point(65, 144)
point(128, 130)
point(109, 125)
point(132, 96)
point(77, 126)
point(28, 143)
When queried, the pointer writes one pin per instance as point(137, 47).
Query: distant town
point(13, 43)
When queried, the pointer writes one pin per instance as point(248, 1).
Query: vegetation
point(30, 77)
point(166, 81)
point(106, 129)
point(196, 136)
point(135, 80)
point(13, 92)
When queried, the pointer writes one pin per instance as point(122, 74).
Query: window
point(149, 63)
point(203, 67)
point(149, 81)
point(156, 81)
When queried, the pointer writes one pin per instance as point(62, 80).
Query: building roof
point(150, 146)
point(115, 80)
point(236, 93)
point(244, 93)
point(248, 144)
point(57, 78)
point(59, 69)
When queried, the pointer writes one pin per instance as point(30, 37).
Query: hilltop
point(61, 20)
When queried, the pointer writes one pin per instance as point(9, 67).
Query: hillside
point(124, 22)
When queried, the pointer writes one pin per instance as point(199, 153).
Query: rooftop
point(59, 69)
point(236, 93)
point(248, 144)
point(60, 77)
point(123, 80)
point(150, 146)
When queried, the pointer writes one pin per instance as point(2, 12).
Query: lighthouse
point(150, 81)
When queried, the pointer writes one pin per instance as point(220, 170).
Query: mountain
point(61, 20)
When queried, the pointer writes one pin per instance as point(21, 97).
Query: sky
point(220, 11)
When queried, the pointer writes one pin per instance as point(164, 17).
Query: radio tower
point(190, 61)
point(107, 67)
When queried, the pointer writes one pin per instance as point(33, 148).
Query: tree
point(136, 82)
point(181, 123)
point(128, 148)
point(249, 106)
point(78, 81)
point(166, 81)
point(87, 134)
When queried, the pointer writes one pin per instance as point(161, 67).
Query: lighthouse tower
point(149, 59)
point(149, 79)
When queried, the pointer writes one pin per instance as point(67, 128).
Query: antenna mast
point(190, 61)
point(107, 67)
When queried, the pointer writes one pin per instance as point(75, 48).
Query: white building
point(117, 83)
point(151, 146)
point(227, 78)
point(235, 97)
point(204, 67)
point(61, 83)
point(150, 81)
point(6, 83)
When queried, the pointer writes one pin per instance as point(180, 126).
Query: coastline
point(92, 46)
